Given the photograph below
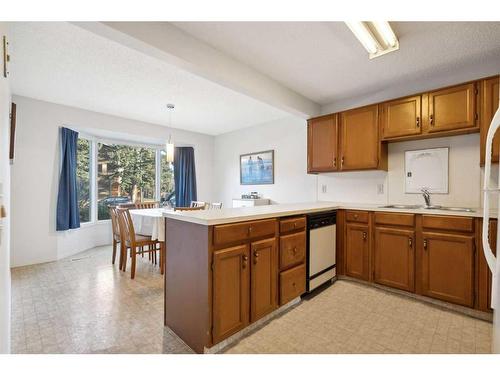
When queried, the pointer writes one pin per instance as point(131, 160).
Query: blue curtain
point(184, 176)
point(68, 212)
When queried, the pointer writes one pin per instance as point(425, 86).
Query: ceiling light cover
point(377, 37)
point(364, 35)
point(385, 31)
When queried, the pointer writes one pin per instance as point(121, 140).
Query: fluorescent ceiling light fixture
point(377, 37)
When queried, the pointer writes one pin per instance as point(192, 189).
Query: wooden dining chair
point(116, 233)
point(198, 204)
point(142, 205)
point(136, 243)
point(215, 206)
point(189, 208)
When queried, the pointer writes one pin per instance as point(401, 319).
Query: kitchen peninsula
point(229, 270)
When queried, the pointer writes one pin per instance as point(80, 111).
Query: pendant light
point(169, 146)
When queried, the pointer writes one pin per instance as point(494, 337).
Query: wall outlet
point(323, 189)
point(380, 188)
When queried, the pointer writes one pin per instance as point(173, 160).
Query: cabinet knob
point(335, 162)
point(431, 117)
point(295, 250)
point(410, 242)
point(342, 162)
point(255, 257)
point(364, 235)
point(425, 244)
point(249, 230)
point(418, 122)
point(244, 263)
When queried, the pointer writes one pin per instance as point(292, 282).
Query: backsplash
point(365, 187)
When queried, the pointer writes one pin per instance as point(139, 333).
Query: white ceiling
point(324, 61)
point(63, 63)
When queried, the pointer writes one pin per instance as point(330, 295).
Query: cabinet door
point(263, 282)
point(448, 267)
point(394, 258)
point(489, 107)
point(357, 250)
point(359, 139)
point(401, 117)
point(322, 139)
point(452, 108)
point(231, 288)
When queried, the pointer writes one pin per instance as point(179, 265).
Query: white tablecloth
point(149, 222)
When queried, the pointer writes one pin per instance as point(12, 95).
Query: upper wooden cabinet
point(322, 141)
point(359, 141)
point(489, 105)
point(401, 117)
point(453, 108)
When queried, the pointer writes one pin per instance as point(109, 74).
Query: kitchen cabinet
point(401, 117)
point(263, 278)
point(231, 291)
point(357, 250)
point(448, 267)
point(394, 258)
point(453, 108)
point(322, 142)
point(490, 101)
point(359, 140)
point(292, 283)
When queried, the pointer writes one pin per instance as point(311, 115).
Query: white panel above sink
point(427, 169)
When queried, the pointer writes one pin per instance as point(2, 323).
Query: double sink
point(433, 207)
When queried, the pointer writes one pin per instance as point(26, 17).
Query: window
point(83, 178)
point(110, 174)
point(125, 174)
point(167, 192)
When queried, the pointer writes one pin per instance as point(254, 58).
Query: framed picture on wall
point(257, 168)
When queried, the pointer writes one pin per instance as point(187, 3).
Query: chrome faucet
point(427, 196)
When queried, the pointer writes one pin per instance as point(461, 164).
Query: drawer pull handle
point(410, 242)
point(250, 230)
point(425, 244)
point(418, 122)
point(294, 250)
point(244, 263)
point(364, 235)
point(293, 284)
point(295, 225)
point(432, 119)
point(334, 162)
point(356, 216)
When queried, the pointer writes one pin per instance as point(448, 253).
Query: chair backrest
point(141, 205)
point(215, 206)
point(127, 232)
point(198, 204)
point(114, 223)
point(189, 208)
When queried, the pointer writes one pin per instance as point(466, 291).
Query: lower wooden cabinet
point(292, 283)
point(448, 267)
point(263, 278)
point(231, 291)
point(394, 258)
point(357, 251)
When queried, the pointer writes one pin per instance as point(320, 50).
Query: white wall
point(288, 138)
point(5, 294)
point(36, 168)
point(362, 187)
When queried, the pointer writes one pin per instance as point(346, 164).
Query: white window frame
point(93, 171)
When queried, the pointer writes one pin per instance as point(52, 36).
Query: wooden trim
point(13, 119)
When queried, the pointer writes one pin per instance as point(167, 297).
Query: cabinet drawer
point(455, 223)
point(292, 283)
point(292, 249)
point(289, 225)
point(229, 233)
point(357, 216)
point(386, 218)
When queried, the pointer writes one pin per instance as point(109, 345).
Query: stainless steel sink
point(458, 209)
point(403, 206)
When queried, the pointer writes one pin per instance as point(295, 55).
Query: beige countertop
point(233, 215)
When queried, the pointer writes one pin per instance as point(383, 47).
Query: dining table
point(150, 222)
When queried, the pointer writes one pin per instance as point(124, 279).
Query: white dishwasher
point(321, 239)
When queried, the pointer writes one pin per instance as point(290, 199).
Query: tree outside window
point(83, 178)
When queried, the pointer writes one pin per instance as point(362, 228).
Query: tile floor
point(83, 304)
